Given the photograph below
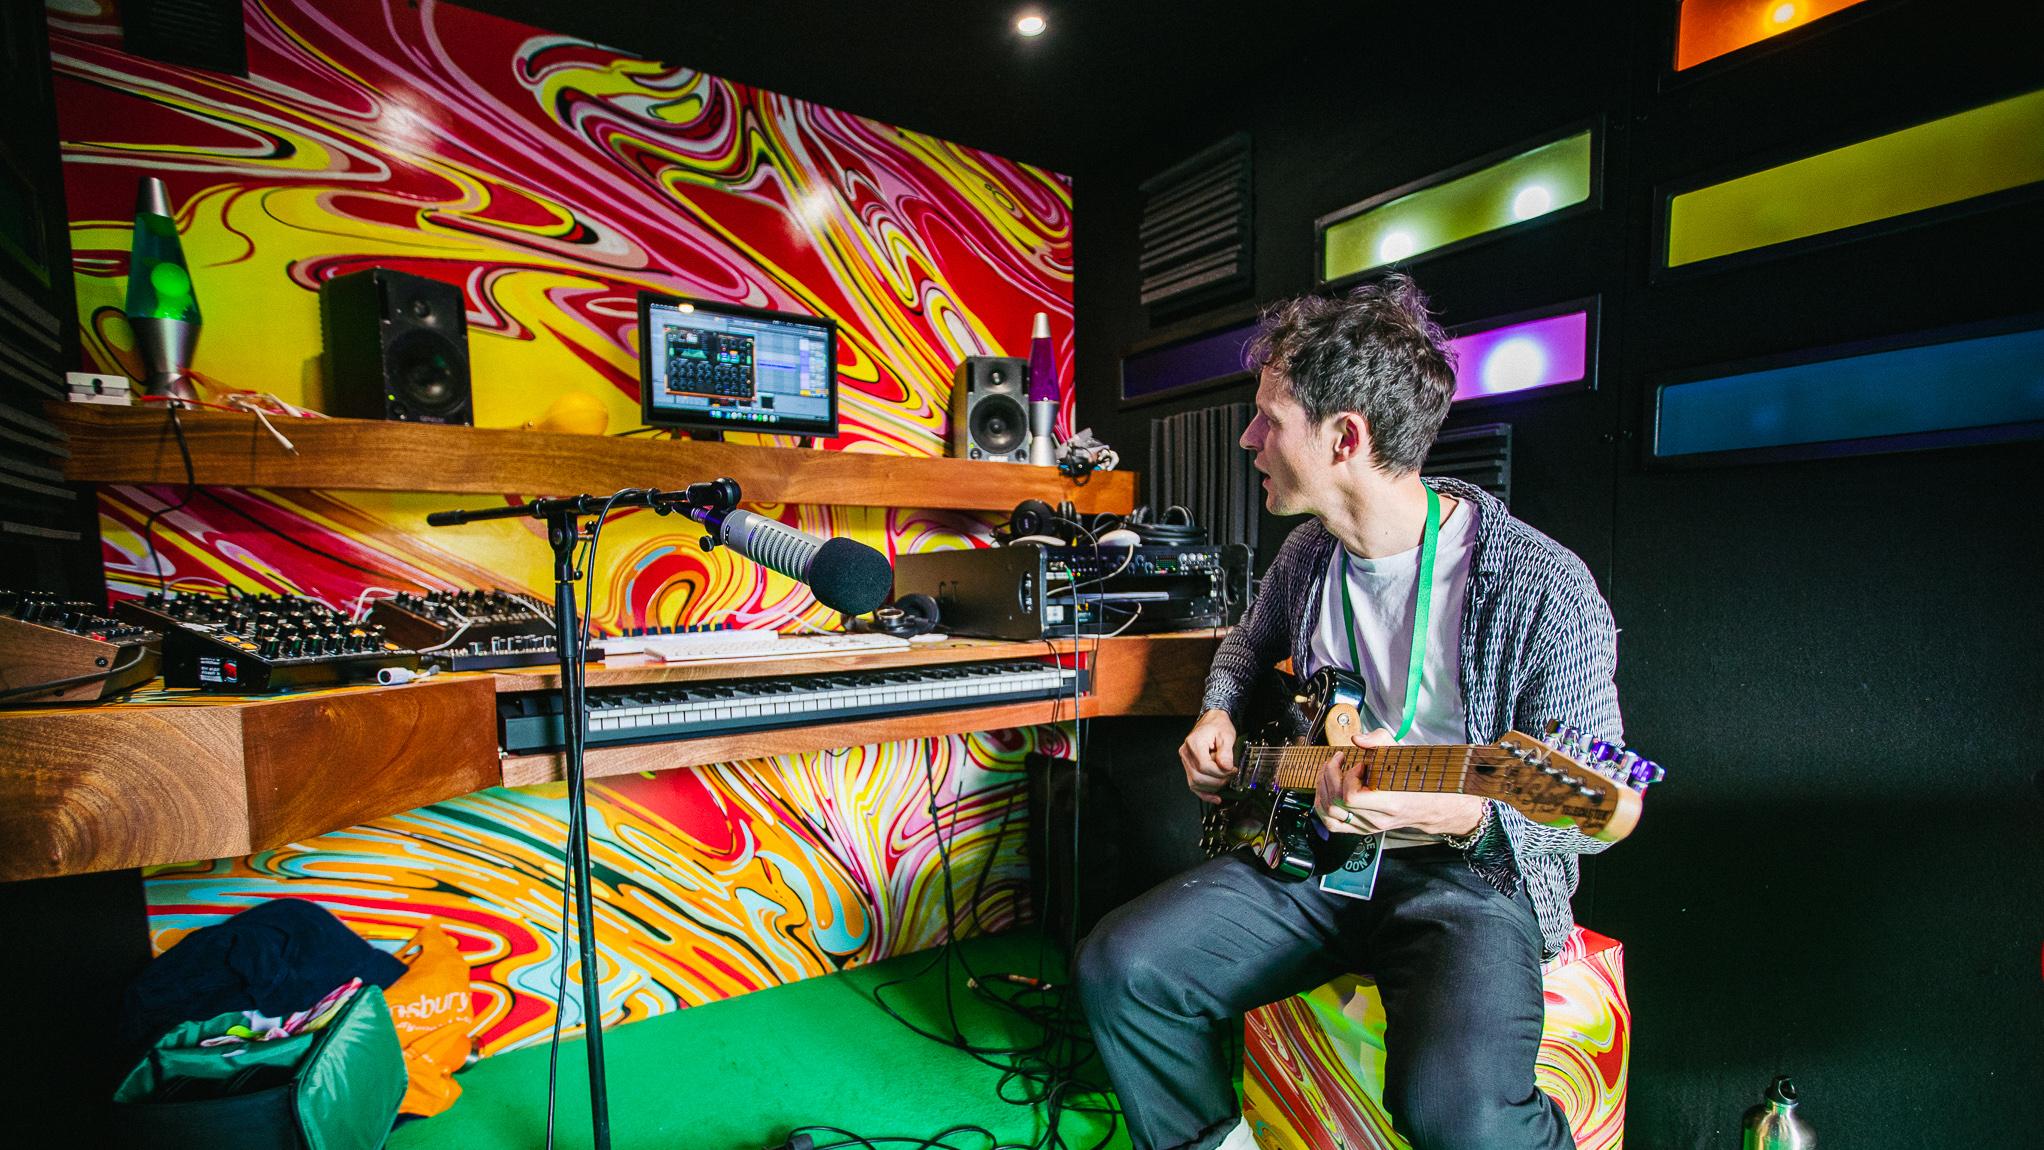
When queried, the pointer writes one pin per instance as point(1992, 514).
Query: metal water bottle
point(1774, 1124)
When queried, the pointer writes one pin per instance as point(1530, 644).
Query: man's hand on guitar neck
point(1209, 755)
point(1346, 806)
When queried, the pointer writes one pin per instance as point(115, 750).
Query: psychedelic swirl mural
point(551, 179)
point(1314, 1063)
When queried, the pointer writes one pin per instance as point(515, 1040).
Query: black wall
point(1836, 660)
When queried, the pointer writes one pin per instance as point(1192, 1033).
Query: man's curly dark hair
point(1376, 351)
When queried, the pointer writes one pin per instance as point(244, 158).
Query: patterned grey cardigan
point(1537, 643)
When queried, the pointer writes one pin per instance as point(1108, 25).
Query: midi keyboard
point(646, 713)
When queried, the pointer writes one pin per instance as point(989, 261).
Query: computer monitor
point(706, 366)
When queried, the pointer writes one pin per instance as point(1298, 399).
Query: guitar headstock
point(1559, 782)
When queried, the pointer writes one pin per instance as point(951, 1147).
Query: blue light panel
point(1938, 390)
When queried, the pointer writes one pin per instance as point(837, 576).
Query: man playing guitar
point(1463, 623)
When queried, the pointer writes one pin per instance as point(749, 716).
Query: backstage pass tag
point(1357, 876)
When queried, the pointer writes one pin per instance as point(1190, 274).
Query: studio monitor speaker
point(396, 348)
point(988, 417)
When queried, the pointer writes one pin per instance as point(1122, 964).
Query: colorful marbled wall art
point(709, 882)
point(551, 179)
point(1314, 1071)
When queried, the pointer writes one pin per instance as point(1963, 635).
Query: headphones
point(1034, 521)
point(905, 618)
point(1175, 529)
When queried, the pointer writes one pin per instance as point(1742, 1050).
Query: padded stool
point(1313, 1077)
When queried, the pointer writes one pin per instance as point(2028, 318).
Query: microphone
point(847, 575)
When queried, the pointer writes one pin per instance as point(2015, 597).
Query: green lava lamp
point(162, 306)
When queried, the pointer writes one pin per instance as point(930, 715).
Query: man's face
point(1293, 451)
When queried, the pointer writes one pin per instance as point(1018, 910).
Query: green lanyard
point(1422, 613)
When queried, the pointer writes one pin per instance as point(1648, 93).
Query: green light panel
point(1525, 187)
point(1974, 153)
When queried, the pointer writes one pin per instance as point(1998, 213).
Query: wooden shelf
point(198, 776)
point(128, 445)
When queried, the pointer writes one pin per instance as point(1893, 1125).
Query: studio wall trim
point(1982, 383)
point(1545, 350)
point(1964, 161)
point(1707, 30)
point(1493, 196)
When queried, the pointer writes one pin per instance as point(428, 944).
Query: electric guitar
point(1557, 780)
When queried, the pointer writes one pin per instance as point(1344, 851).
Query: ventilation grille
point(36, 506)
point(196, 33)
point(1481, 455)
point(1196, 228)
point(1197, 462)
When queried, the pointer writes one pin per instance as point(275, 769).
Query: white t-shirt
point(1382, 592)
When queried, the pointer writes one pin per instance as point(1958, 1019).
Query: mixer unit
point(71, 650)
point(256, 643)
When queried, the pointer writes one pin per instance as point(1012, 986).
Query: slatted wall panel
point(1196, 462)
point(1196, 226)
point(1481, 454)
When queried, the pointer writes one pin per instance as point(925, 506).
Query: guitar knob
point(1646, 773)
point(1302, 700)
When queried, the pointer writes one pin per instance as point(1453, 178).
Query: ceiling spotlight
point(1031, 24)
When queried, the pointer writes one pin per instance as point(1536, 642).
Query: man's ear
point(1351, 435)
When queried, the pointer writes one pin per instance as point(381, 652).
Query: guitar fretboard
point(1439, 769)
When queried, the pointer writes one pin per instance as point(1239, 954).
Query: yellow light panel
point(1708, 29)
point(1974, 153)
point(1532, 184)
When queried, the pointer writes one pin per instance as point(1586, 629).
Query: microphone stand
point(564, 533)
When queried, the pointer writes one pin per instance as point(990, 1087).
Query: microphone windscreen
point(850, 577)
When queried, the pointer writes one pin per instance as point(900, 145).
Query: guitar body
point(1275, 822)
point(1561, 779)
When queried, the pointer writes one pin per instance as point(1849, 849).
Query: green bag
point(337, 1088)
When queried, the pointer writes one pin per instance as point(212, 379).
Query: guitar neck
point(1439, 769)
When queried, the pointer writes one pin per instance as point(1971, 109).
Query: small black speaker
point(988, 419)
point(396, 348)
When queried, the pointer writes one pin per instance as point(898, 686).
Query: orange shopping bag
point(430, 1005)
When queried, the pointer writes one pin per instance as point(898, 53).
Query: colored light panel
point(1949, 387)
point(1526, 356)
point(1534, 183)
point(1975, 153)
point(1708, 29)
point(1187, 363)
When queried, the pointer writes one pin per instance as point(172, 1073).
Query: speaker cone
point(424, 368)
point(998, 425)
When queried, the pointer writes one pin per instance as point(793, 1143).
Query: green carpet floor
point(740, 1074)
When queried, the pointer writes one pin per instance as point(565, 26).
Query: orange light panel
point(1708, 29)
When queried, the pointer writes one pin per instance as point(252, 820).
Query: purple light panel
point(1524, 356)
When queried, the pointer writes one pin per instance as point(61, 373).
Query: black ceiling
point(1107, 71)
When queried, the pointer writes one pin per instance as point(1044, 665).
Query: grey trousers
point(1165, 978)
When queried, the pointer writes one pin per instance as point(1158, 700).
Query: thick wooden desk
point(165, 779)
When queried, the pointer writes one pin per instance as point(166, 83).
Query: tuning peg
point(1600, 752)
point(1646, 773)
point(1621, 767)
